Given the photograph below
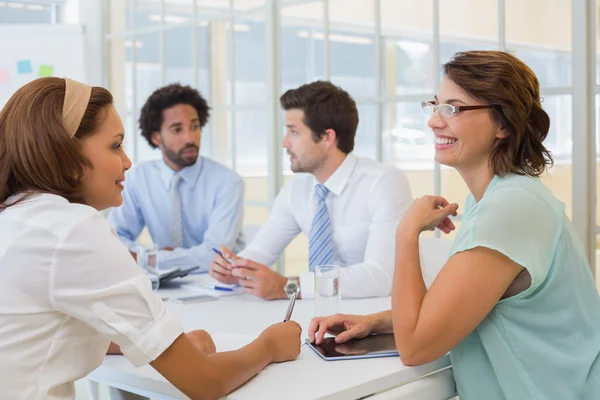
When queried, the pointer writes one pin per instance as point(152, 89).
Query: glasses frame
point(452, 110)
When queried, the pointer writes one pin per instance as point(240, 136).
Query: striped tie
point(175, 228)
point(320, 245)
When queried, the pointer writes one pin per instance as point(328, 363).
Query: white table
point(309, 377)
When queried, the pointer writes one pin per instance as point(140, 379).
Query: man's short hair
point(325, 106)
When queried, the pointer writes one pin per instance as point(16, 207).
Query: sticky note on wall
point(46, 70)
point(4, 76)
point(24, 67)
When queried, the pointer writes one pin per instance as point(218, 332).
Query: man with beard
point(348, 206)
point(189, 203)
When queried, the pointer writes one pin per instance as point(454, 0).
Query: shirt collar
point(36, 196)
point(338, 180)
point(189, 174)
point(471, 204)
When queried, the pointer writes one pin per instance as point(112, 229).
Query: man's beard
point(176, 158)
point(307, 166)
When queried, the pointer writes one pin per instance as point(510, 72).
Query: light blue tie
point(320, 245)
point(176, 225)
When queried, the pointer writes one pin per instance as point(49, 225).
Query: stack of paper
point(216, 289)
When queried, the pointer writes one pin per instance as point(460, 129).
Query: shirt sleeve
point(390, 197)
point(127, 219)
point(276, 233)
point(94, 279)
point(224, 226)
point(518, 224)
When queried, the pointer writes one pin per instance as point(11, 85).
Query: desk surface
point(309, 377)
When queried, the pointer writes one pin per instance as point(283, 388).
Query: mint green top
point(543, 343)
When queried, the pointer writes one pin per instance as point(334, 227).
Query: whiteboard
point(26, 51)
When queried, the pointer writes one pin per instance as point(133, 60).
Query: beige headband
point(77, 97)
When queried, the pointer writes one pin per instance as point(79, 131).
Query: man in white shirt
point(349, 207)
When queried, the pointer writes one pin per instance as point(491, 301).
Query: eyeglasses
point(448, 110)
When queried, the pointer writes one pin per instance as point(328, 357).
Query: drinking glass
point(328, 297)
point(147, 259)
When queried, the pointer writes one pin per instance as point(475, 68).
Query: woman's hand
point(344, 327)
point(427, 213)
point(283, 341)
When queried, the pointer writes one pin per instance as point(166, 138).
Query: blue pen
point(221, 254)
point(226, 259)
point(222, 288)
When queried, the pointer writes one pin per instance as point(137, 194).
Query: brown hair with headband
point(37, 153)
point(496, 77)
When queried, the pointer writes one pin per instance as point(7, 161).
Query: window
point(29, 12)
point(386, 53)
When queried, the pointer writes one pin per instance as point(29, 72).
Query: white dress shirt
point(366, 202)
point(68, 287)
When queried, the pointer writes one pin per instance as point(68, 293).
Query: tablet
point(370, 347)
point(175, 273)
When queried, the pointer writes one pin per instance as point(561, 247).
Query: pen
point(226, 259)
point(290, 309)
point(216, 287)
point(221, 254)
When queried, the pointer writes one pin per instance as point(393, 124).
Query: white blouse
point(67, 288)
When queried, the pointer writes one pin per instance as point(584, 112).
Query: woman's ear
point(501, 133)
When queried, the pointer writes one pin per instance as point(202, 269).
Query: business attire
point(68, 287)
point(350, 220)
point(543, 343)
point(200, 207)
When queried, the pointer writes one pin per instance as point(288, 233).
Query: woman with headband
point(515, 304)
point(68, 287)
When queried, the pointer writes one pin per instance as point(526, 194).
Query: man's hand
point(220, 268)
point(202, 340)
point(259, 280)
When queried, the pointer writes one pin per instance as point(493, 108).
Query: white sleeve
point(94, 279)
point(389, 198)
point(276, 233)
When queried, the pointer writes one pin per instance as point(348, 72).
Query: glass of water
point(327, 290)
point(147, 259)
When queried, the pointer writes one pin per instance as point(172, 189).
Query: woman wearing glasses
point(515, 304)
